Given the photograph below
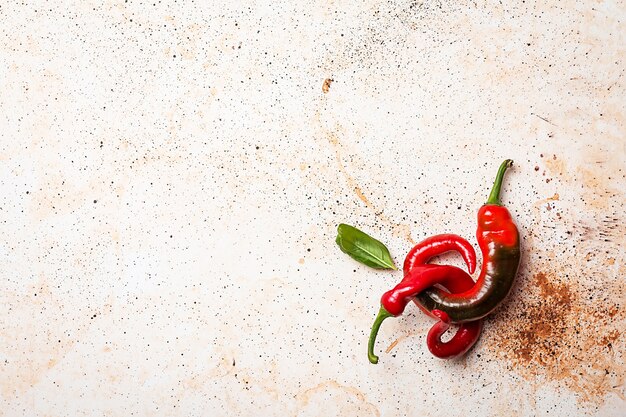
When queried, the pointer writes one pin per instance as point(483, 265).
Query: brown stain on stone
point(557, 291)
point(262, 385)
point(350, 400)
point(597, 193)
point(542, 203)
point(51, 363)
point(397, 341)
point(610, 338)
point(361, 196)
point(544, 322)
point(392, 345)
point(557, 167)
point(326, 85)
point(556, 332)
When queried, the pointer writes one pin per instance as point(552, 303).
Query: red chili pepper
point(463, 340)
point(498, 239)
point(437, 245)
point(468, 333)
point(417, 279)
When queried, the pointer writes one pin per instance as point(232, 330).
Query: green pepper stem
point(494, 197)
point(382, 315)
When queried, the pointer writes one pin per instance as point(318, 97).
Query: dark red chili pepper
point(463, 339)
point(467, 333)
point(498, 240)
point(416, 280)
point(436, 245)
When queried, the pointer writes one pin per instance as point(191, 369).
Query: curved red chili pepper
point(437, 245)
point(468, 333)
point(416, 280)
point(498, 239)
point(463, 339)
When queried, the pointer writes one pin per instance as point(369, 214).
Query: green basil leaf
point(363, 248)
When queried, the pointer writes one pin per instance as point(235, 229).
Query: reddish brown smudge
point(554, 332)
point(326, 85)
point(610, 338)
point(392, 345)
point(557, 167)
point(361, 196)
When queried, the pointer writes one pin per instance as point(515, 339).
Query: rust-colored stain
point(401, 339)
point(556, 331)
point(540, 203)
point(326, 85)
point(564, 322)
point(545, 321)
point(555, 197)
point(361, 196)
point(392, 345)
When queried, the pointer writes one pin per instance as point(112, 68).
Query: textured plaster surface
point(172, 175)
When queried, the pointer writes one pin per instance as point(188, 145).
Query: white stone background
point(172, 175)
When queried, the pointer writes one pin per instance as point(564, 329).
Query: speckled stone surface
point(172, 174)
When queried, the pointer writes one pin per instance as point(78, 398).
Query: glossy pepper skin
point(437, 245)
point(416, 280)
point(468, 333)
point(498, 239)
point(462, 341)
